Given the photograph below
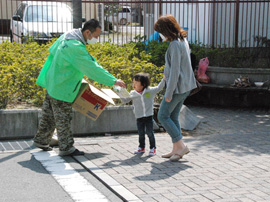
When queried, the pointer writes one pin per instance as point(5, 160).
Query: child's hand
point(164, 77)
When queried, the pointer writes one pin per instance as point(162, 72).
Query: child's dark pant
point(145, 125)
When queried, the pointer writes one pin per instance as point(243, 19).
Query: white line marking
point(3, 146)
point(11, 145)
point(71, 181)
point(29, 146)
point(19, 144)
point(26, 143)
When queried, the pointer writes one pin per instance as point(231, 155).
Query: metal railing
point(217, 23)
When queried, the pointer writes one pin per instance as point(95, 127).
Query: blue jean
point(168, 115)
point(145, 125)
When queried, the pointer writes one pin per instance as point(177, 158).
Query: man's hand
point(120, 83)
point(168, 100)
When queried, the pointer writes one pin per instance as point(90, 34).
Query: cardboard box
point(91, 101)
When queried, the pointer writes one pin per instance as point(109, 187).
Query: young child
point(143, 101)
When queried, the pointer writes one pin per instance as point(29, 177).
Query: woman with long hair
point(180, 81)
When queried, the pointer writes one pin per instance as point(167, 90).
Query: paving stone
point(203, 199)
point(229, 159)
point(138, 191)
point(245, 200)
point(228, 200)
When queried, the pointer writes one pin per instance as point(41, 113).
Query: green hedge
point(20, 65)
point(257, 57)
point(125, 61)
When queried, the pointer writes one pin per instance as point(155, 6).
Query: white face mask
point(92, 41)
point(162, 37)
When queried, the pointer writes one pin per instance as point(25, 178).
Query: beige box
point(91, 101)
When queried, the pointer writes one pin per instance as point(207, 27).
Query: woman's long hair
point(168, 27)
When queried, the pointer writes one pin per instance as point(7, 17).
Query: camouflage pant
point(55, 114)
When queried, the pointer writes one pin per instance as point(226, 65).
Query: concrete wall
point(219, 92)
point(18, 123)
point(112, 119)
point(227, 75)
point(15, 124)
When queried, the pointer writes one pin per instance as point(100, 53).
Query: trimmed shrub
point(20, 65)
point(257, 57)
point(123, 61)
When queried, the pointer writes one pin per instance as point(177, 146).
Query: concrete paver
point(229, 160)
point(219, 167)
point(217, 120)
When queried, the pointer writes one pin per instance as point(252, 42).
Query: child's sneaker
point(139, 150)
point(152, 152)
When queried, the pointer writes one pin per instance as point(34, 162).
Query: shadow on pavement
point(234, 144)
point(135, 160)
point(159, 173)
point(31, 165)
point(12, 156)
point(96, 155)
point(221, 120)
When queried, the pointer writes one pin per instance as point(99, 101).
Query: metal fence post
point(77, 13)
point(236, 24)
point(160, 8)
point(213, 24)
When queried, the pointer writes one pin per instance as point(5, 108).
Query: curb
point(107, 180)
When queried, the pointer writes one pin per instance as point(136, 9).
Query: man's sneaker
point(43, 147)
point(139, 150)
point(76, 153)
point(152, 152)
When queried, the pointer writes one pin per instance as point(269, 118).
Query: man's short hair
point(91, 25)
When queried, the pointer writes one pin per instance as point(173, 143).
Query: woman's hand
point(168, 100)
